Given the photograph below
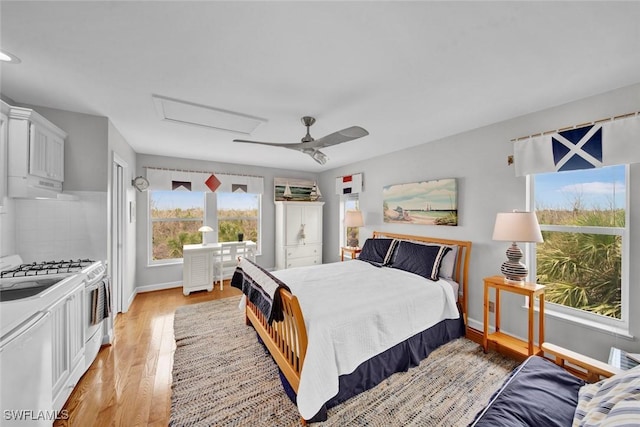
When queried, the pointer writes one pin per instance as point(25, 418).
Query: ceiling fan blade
point(295, 146)
point(344, 135)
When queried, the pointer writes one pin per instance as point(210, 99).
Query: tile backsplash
point(55, 229)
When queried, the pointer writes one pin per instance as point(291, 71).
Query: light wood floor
point(129, 383)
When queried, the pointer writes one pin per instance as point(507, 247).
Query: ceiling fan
point(311, 146)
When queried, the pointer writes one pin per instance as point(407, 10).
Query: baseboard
point(158, 287)
point(150, 288)
point(472, 323)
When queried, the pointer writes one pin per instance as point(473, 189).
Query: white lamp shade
point(353, 219)
point(205, 229)
point(517, 227)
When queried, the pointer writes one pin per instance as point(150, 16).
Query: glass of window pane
point(582, 271)
point(238, 213)
point(592, 197)
point(175, 219)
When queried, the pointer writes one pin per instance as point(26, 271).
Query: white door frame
point(118, 224)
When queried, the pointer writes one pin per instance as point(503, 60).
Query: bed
point(575, 390)
point(338, 329)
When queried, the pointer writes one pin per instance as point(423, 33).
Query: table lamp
point(516, 227)
point(353, 219)
point(204, 229)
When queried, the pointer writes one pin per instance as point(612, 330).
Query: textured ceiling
point(408, 72)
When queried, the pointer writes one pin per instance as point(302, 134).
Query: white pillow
point(613, 401)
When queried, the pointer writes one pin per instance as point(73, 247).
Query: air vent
point(189, 113)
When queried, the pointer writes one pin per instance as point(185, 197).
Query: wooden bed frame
point(287, 340)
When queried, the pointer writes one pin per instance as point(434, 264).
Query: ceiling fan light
point(9, 57)
point(319, 157)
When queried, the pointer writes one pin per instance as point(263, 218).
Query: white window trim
point(341, 229)
point(619, 327)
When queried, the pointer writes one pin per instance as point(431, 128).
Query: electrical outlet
point(492, 307)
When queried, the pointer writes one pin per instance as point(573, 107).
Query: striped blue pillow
point(614, 401)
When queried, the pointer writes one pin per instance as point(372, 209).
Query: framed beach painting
point(426, 202)
point(295, 190)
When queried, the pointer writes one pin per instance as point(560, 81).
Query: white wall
point(157, 277)
point(49, 230)
point(7, 227)
point(486, 186)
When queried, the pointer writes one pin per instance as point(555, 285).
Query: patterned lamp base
point(514, 271)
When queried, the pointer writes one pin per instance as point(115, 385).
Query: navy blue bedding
point(270, 306)
point(398, 358)
point(537, 393)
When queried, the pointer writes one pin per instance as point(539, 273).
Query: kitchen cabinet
point(67, 351)
point(46, 153)
point(298, 234)
point(35, 154)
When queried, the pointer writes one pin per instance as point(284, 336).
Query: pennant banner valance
point(179, 180)
point(349, 184)
point(600, 144)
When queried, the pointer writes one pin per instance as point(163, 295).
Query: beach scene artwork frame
point(295, 190)
point(426, 202)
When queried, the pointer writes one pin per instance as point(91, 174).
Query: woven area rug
point(222, 376)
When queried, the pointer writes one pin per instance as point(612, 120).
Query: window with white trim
point(349, 234)
point(176, 216)
point(583, 216)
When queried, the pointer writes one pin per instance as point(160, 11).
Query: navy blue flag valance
point(594, 146)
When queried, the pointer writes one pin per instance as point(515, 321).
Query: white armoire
point(298, 234)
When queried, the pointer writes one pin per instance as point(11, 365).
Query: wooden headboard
point(461, 270)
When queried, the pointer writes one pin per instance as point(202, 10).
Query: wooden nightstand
point(350, 250)
point(531, 290)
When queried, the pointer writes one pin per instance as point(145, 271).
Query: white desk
point(204, 262)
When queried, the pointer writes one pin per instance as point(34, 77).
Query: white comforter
point(354, 311)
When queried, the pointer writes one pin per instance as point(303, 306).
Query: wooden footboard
point(286, 340)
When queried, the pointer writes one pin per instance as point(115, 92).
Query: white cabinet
point(202, 264)
point(197, 268)
point(46, 153)
point(298, 234)
point(35, 153)
point(67, 351)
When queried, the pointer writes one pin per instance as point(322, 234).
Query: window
point(349, 236)
point(583, 217)
point(238, 213)
point(175, 219)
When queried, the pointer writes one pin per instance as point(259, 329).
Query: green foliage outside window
point(582, 270)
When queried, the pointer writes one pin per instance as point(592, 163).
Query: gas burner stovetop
point(47, 267)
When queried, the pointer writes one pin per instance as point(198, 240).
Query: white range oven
point(30, 332)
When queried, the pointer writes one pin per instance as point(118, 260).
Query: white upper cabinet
point(35, 153)
point(46, 153)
